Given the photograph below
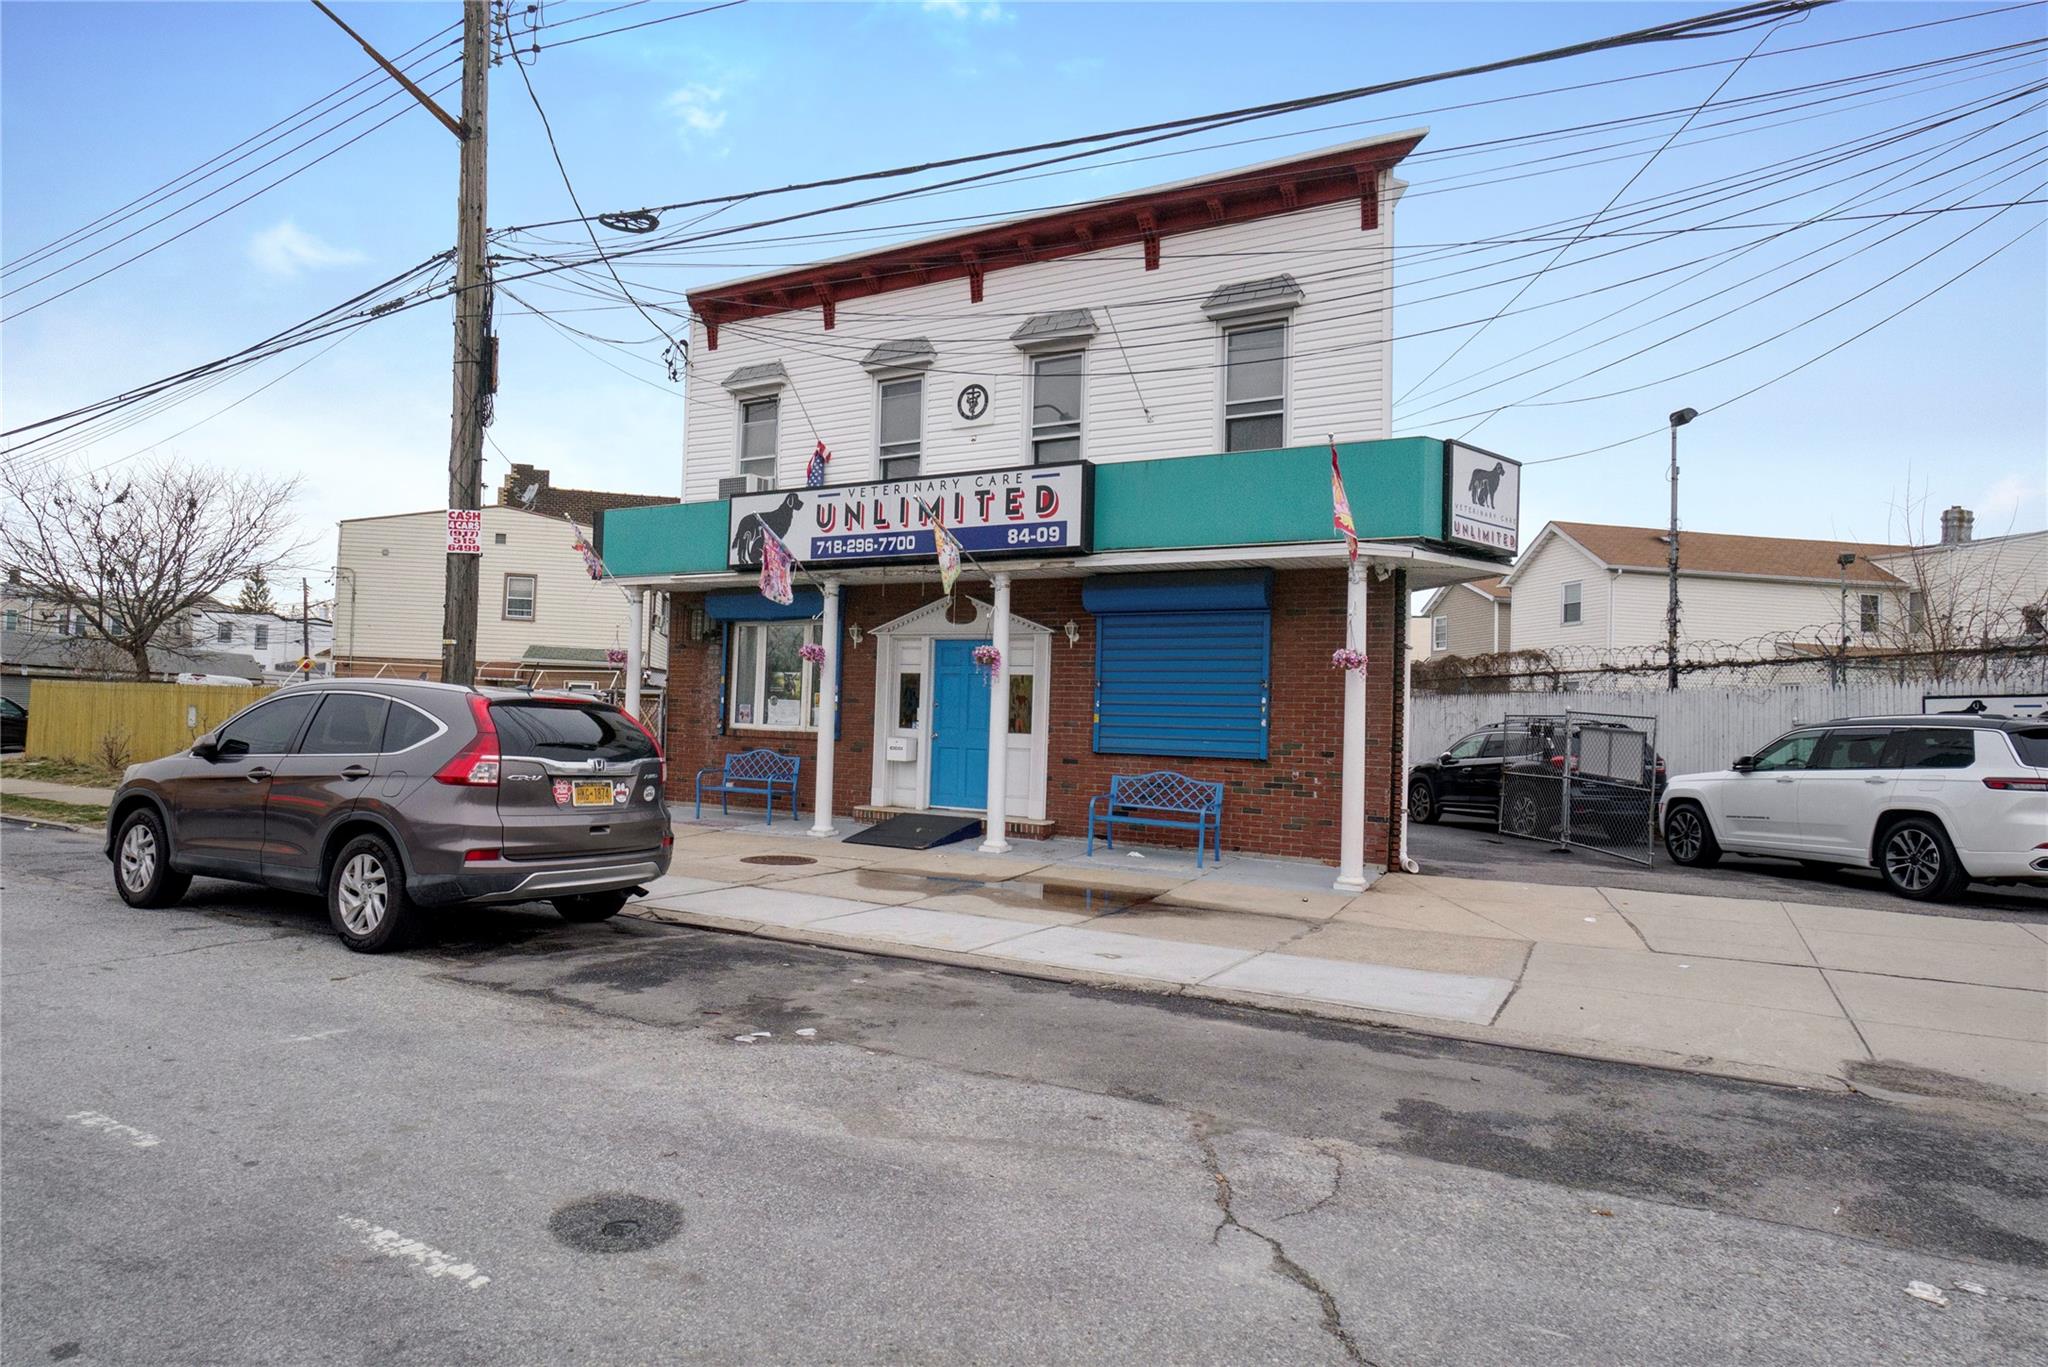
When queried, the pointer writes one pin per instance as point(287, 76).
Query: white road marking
point(425, 1257)
point(93, 1120)
point(308, 1039)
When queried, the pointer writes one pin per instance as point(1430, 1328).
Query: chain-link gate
point(1581, 778)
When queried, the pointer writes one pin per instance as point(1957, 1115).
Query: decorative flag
point(591, 561)
point(814, 473)
point(1340, 516)
point(949, 553)
point(776, 564)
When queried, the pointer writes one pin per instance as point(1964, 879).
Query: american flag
point(814, 473)
point(776, 564)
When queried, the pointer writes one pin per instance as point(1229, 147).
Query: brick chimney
point(525, 484)
point(1956, 524)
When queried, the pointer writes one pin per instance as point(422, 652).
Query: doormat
point(918, 831)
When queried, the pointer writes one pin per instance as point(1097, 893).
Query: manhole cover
point(778, 859)
point(616, 1222)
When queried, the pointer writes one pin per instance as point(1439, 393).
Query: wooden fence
point(73, 718)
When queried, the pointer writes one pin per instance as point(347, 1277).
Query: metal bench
point(756, 773)
point(1160, 798)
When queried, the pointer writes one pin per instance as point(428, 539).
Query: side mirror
point(1744, 764)
point(204, 748)
point(1444, 758)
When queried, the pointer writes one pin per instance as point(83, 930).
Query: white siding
point(1472, 623)
point(1539, 598)
point(388, 600)
point(1170, 352)
point(1733, 611)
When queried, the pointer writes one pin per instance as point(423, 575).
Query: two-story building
point(1126, 412)
point(1473, 618)
point(280, 643)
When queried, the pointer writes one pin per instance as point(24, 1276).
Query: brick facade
point(1284, 805)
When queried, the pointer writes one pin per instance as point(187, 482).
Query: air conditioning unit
point(744, 484)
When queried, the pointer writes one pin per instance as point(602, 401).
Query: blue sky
point(1947, 404)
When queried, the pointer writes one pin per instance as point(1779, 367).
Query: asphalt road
point(225, 1139)
point(1470, 847)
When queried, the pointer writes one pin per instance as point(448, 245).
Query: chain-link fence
point(1588, 779)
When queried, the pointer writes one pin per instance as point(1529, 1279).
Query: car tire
point(1422, 802)
point(1689, 836)
point(142, 862)
point(366, 899)
point(1521, 815)
point(1916, 859)
point(590, 906)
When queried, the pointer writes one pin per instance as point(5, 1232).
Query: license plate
point(597, 794)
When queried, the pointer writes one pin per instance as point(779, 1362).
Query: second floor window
point(1255, 387)
point(519, 593)
point(1867, 612)
point(1573, 609)
point(1440, 633)
point(1056, 408)
point(758, 418)
point(900, 427)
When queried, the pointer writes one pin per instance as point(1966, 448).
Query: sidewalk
point(56, 792)
point(1760, 990)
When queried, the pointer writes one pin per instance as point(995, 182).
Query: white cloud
point(695, 108)
point(987, 11)
point(287, 249)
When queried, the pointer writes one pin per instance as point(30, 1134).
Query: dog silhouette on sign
point(746, 542)
point(1485, 484)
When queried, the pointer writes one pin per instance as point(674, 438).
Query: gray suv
point(388, 796)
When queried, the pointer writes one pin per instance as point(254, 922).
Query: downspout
point(1613, 578)
point(1404, 670)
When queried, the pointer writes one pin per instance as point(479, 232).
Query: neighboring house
point(1125, 411)
point(1587, 591)
point(39, 640)
point(276, 641)
point(1473, 618)
point(541, 619)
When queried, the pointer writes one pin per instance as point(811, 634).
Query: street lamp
point(1842, 564)
point(1678, 420)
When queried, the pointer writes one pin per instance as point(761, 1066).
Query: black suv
point(1466, 778)
point(389, 796)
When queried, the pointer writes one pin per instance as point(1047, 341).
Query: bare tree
point(133, 552)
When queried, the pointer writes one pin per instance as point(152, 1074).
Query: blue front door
point(959, 727)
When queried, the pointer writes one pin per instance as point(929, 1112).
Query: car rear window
point(568, 731)
point(1934, 748)
point(2032, 745)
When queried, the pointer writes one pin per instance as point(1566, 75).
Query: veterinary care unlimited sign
point(1482, 499)
point(1030, 511)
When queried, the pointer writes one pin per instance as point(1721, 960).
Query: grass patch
point(58, 771)
point(42, 809)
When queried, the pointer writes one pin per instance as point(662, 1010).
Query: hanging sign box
point(1035, 510)
point(1482, 499)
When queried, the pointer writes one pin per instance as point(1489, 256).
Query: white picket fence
point(1697, 728)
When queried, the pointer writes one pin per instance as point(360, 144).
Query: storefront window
point(909, 695)
point(1020, 704)
point(772, 685)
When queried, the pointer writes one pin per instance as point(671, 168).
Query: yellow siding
point(70, 719)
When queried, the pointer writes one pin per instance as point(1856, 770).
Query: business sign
point(1482, 499)
point(465, 531)
point(971, 401)
point(1034, 510)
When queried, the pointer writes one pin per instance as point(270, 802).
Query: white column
point(636, 648)
point(1351, 810)
point(828, 710)
point(999, 726)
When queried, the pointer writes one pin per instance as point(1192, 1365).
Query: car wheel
point(1688, 839)
point(1422, 802)
point(590, 906)
point(366, 897)
point(1916, 860)
point(1520, 816)
point(142, 862)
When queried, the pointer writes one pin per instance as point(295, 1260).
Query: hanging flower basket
point(1347, 658)
point(988, 659)
point(812, 652)
point(615, 656)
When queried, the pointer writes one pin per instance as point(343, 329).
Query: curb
point(37, 823)
point(1632, 1055)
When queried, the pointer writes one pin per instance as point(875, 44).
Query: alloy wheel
point(363, 894)
point(1419, 802)
point(1522, 815)
point(1682, 836)
point(1912, 859)
point(138, 857)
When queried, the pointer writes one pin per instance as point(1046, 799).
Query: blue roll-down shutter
point(1183, 681)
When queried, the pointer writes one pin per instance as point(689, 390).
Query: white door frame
point(930, 623)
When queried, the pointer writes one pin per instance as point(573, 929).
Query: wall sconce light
point(855, 633)
point(1382, 571)
point(697, 624)
point(1073, 632)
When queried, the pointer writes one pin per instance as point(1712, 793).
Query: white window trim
point(888, 377)
point(1031, 360)
point(1440, 632)
point(1564, 602)
point(739, 432)
point(1284, 320)
point(808, 704)
point(505, 597)
point(1876, 615)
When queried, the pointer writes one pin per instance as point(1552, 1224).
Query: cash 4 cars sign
point(1035, 510)
point(465, 531)
point(1482, 499)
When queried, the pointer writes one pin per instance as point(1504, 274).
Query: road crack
point(1336, 1157)
point(1286, 1266)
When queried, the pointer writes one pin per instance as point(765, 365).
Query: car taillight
point(2018, 785)
point(476, 764)
point(653, 741)
point(479, 856)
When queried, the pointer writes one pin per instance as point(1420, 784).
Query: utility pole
point(1678, 420)
point(306, 629)
point(475, 349)
point(1842, 564)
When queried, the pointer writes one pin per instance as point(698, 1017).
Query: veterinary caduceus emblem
point(973, 401)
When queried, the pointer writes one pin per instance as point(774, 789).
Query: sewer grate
point(616, 1222)
point(779, 860)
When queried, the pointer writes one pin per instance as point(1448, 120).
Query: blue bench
point(756, 773)
point(1160, 798)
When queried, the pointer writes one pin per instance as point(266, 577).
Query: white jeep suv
point(1930, 802)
